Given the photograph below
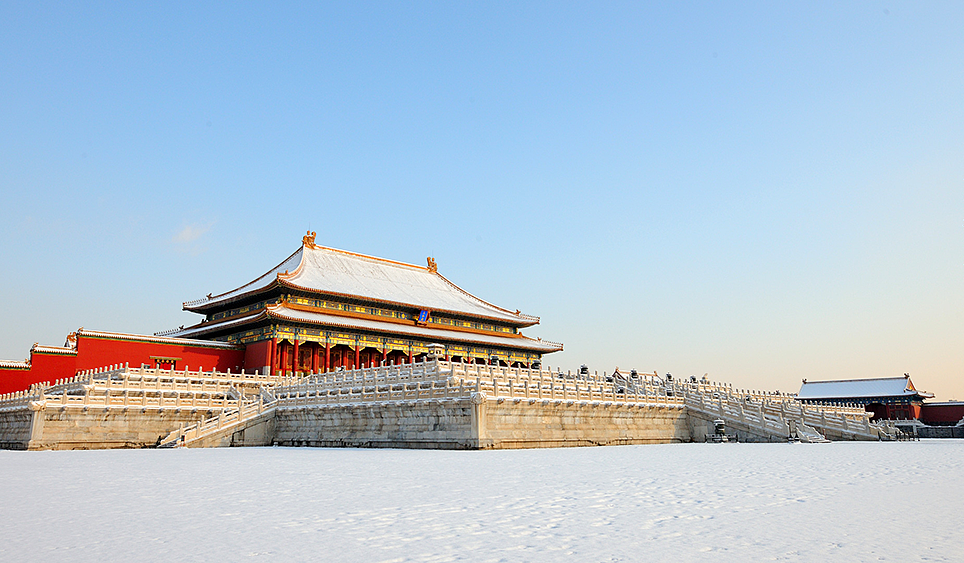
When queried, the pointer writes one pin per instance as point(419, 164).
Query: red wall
point(942, 414)
point(15, 380)
point(97, 352)
point(44, 367)
point(256, 355)
point(52, 366)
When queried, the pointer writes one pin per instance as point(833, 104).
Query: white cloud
point(191, 233)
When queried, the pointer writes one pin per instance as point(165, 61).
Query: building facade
point(322, 309)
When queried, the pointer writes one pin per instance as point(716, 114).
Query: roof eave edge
point(517, 322)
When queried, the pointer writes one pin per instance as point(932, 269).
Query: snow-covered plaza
point(689, 502)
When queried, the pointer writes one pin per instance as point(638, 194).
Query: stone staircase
point(778, 417)
point(220, 430)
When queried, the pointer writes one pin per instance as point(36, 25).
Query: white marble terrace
point(234, 398)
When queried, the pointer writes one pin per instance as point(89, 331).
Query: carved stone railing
point(436, 379)
point(124, 387)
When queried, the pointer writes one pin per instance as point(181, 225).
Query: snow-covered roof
point(262, 283)
point(14, 364)
point(846, 388)
point(207, 327)
point(336, 272)
point(432, 332)
point(155, 339)
point(37, 348)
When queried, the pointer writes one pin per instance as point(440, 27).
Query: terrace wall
point(470, 424)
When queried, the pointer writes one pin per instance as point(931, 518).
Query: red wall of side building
point(256, 355)
point(96, 352)
point(15, 380)
point(58, 365)
point(942, 414)
point(44, 366)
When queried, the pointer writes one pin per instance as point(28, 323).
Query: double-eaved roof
point(339, 273)
point(285, 312)
point(322, 271)
point(898, 387)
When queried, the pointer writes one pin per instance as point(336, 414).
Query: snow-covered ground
point(692, 502)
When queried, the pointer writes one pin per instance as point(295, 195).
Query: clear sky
point(758, 191)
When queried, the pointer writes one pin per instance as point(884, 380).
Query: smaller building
point(891, 398)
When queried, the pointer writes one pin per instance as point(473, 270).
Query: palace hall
point(323, 309)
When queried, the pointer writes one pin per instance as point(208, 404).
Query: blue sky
point(758, 191)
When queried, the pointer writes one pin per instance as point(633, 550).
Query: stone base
point(468, 425)
point(56, 428)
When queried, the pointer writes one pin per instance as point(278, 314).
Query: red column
point(314, 359)
point(295, 365)
point(283, 359)
point(270, 360)
point(327, 357)
point(384, 354)
point(409, 355)
point(356, 361)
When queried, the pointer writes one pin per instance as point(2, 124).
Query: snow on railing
point(369, 376)
point(437, 379)
point(118, 385)
point(227, 375)
point(770, 412)
point(115, 371)
point(315, 395)
point(572, 391)
point(143, 400)
point(21, 399)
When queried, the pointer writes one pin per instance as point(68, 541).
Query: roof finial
point(432, 266)
point(308, 239)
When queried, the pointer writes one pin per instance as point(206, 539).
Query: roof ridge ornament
point(309, 239)
point(432, 266)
